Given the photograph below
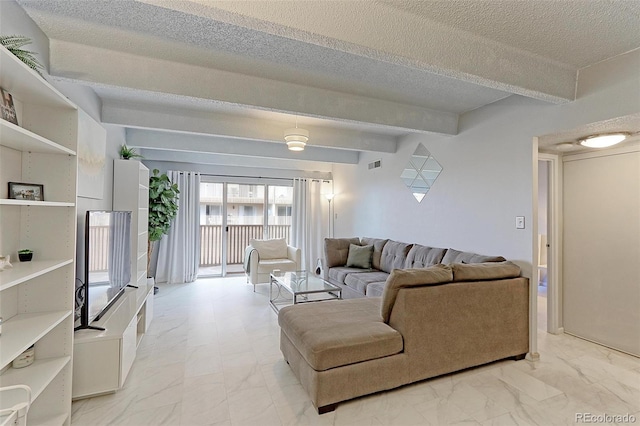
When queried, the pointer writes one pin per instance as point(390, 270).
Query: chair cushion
point(266, 266)
point(335, 333)
point(422, 256)
point(270, 249)
point(456, 256)
point(361, 281)
point(394, 255)
point(359, 256)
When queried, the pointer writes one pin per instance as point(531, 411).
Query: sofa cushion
point(378, 245)
point(270, 249)
point(339, 273)
point(359, 282)
point(336, 250)
point(394, 255)
point(422, 256)
point(485, 271)
point(375, 289)
point(336, 333)
point(401, 278)
point(359, 256)
point(456, 256)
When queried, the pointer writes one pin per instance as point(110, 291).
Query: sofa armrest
point(252, 257)
point(295, 254)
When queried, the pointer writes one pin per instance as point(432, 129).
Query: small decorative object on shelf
point(5, 262)
point(7, 107)
point(25, 255)
point(25, 359)
point(26, 191)
point(13, 43)
point(127, 153)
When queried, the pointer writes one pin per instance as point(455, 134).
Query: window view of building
point(247, 212)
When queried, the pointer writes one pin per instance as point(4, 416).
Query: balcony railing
point(210, 243)
point(237, 240)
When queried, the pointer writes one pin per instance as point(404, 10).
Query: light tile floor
point(211, 357)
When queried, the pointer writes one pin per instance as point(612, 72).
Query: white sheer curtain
point(179, 251)
point(306, 221)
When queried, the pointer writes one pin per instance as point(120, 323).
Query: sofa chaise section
point(429, 322)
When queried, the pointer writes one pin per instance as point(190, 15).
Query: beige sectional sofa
point(428, 322)
point(387, 256)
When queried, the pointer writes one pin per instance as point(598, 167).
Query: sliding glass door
point(245, 221)
point(233, 213)
point(212, 218)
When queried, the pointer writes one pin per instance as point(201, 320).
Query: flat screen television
point(107, 262)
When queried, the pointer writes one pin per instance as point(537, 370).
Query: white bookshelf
point(131, 193)
point(25, 271)
point(37, 297)
point(127, 321)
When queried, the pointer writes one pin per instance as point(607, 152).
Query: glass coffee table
point(301, 287)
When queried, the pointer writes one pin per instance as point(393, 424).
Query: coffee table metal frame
point(300, 285)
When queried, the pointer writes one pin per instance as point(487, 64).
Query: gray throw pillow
point(360, 256)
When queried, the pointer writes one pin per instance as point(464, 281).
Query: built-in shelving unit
point(36, 298)
point(131, 193)
point(127, 321)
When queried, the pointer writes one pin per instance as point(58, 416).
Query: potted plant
point(127, 153)
point(13, 43)
point(163, 207)
point(25, 255)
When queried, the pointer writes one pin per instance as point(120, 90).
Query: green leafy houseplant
point(13, 43)
point(25, 255)
point(163, 207)
point(127, 153)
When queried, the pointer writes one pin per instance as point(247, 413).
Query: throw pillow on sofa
point(359, 256)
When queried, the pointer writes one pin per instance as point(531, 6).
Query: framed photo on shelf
point(7, 107)
point(26, 191)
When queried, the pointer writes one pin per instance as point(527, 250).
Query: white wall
point(601, 253)
point(15, 21)
point(487, 176)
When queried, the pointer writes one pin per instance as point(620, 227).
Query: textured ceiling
point(361, 73)
point(575, 32)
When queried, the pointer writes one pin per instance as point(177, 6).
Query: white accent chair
point(263, 256)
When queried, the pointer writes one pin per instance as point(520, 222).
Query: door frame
point(554, 240)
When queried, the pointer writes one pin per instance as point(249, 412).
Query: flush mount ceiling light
point(296, 138)
point(565, 146)
point(603, 140)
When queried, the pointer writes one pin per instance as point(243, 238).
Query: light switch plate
point(519, 222)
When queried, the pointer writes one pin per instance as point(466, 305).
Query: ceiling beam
point(87, 64)
point(385, 33)
point(208, 148)
point(138, 115)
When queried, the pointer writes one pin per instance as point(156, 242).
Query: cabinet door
point(96, 367)
point(128, 349)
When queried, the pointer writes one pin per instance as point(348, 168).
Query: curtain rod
point(255, 177)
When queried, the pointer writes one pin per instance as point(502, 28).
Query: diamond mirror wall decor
point(421, 172)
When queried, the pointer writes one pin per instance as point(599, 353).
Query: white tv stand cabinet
point(102, 359)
